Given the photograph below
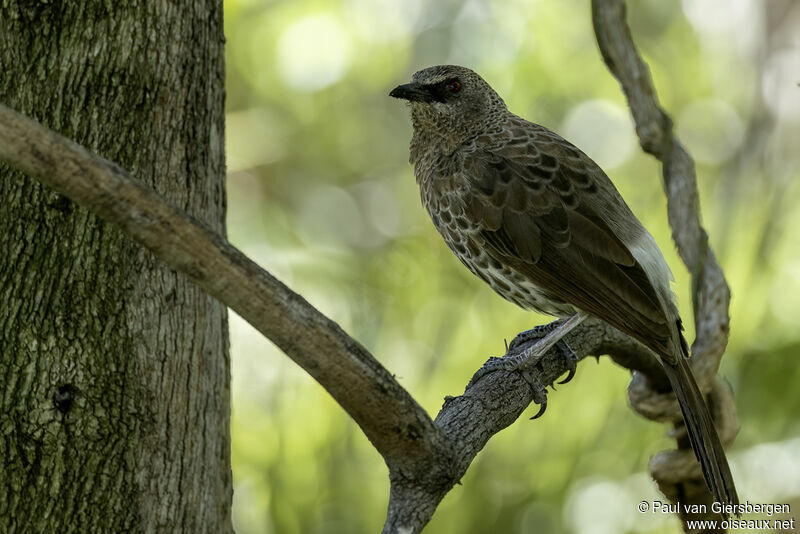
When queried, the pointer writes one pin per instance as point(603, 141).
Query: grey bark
point(425, 457)
point(675, 471)
point(114, 369)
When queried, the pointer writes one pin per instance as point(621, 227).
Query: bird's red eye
point(454, 87)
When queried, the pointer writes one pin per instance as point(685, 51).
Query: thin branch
point(711, 296)
point(710, 293)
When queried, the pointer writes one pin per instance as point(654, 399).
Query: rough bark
point(425, 457)
point(114, 369)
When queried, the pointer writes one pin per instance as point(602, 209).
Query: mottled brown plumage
point(542, 224)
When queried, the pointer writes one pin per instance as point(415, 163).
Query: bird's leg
point(556, 331)
point(549, 335)
point(539, 332)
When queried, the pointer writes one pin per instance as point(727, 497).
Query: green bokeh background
point(322, 195)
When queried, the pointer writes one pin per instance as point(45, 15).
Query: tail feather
point(702, 434)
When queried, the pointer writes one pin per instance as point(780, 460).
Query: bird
point(539, 221)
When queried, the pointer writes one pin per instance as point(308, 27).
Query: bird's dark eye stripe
point(439, 91)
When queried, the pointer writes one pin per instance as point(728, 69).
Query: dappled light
point(320, 193)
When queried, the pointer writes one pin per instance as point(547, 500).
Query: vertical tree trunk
point(114, 371)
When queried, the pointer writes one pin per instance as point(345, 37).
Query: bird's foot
point(535, 333)
point(532, 356)
point(516, 363)
point(546, 336)
point(525, 364)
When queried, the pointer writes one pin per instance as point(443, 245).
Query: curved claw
point(570, 375)
point(569, 356)
point(542, 408)
point(539, 394)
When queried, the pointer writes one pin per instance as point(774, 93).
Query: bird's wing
point(538, 207)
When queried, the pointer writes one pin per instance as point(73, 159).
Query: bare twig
point(710, 293)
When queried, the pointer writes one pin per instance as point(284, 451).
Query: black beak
point(413, 92)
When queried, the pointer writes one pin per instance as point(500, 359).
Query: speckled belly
point(506, 281)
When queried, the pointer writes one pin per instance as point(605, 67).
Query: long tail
point(702, 434)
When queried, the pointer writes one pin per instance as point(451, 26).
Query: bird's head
point(450, 101)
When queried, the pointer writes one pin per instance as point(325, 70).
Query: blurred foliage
point(321, 194)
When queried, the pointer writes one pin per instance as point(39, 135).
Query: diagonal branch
point(491, 404)
point(385, 411)
point(425, 458)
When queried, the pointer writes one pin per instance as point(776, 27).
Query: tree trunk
point(114, 370)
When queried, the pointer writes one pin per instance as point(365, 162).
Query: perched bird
point(542, 224)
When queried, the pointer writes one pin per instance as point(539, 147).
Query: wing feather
point(550, 229)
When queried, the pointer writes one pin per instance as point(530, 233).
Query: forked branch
point(426, 457)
